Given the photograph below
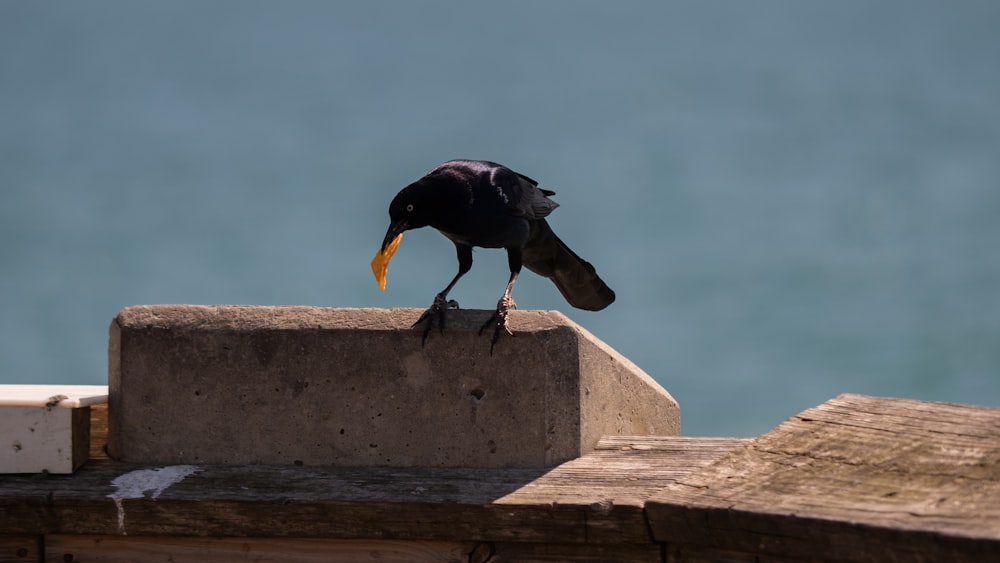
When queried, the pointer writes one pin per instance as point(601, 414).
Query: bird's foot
point(499, 320)
point(435, 311)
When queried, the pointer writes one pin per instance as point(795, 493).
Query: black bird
point(482, 203)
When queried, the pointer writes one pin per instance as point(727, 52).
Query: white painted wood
point(36, 439)
point(45, 428)
point(70, 396)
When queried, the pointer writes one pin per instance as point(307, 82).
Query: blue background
point(791, 199)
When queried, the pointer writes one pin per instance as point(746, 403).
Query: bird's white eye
point(409, 207)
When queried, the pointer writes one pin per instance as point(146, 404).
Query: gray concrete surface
point(354, 387)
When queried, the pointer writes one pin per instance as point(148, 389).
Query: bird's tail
point(576, 278)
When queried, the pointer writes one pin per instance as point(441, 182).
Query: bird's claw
point(436, 310)
point(499, 320)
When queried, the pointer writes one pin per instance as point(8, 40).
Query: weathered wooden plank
point(556, 553)
point(20, 549)
point(857, 478)
point(687, 553)
point(615, 480)
point(289, 501)
point(98, 431)
point(128, 549)
point(592, 500)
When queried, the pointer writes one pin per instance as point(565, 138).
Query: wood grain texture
point(857, 478)
point(20, 549)
point(564, 553)
point(98, 431)
point(596, 499)
point(127, 549)
point(610, 485)
point(118, 549)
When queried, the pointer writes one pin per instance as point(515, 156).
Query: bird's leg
point(436, 311)
point(499, 317)
point(506, 303)
point(441, 302)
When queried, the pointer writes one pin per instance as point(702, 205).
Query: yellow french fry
point(380, 263)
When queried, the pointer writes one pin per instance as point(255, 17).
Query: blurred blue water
point(792, 200)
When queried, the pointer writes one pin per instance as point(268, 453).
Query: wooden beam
point(856, 478)
point(127, 549)
point(98, 431)
point(596, 499)
point(20, 549)
point(118, 549)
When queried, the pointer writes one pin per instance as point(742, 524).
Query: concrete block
point(354, 387)
point(46, 428)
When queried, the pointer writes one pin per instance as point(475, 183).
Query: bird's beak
point(396, 228)
point(380, 263)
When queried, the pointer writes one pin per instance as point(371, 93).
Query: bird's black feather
point(482, 203)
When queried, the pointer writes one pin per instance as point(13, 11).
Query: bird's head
point(408, 210)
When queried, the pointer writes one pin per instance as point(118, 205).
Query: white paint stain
point(134, 484)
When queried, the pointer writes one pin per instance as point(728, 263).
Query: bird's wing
point(522, 194)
